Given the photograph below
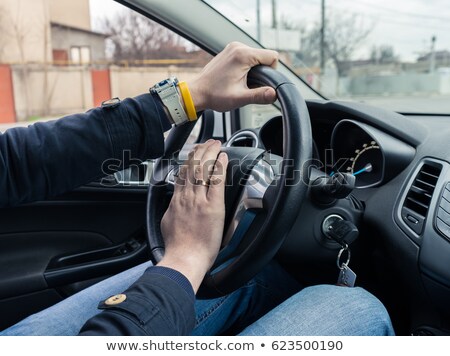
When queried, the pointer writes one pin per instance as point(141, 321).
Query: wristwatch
point(171, 99)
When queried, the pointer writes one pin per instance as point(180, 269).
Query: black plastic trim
point(397, 155)
point(56, 277)
point(416, 234)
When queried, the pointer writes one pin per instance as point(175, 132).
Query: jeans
point(258, 308)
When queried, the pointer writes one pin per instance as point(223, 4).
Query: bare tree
point(135, 37)
point(344, 33)
point(308, 53)
point(2, 32)
point(383, 54)
point(16, 28)
point(48, 90)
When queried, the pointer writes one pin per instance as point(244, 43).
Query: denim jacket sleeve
point(51, 158)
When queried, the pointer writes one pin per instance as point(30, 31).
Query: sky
point(407, 25)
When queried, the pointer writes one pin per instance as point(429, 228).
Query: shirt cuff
point(174, 275)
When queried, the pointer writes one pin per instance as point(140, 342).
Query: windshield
point(392, 54)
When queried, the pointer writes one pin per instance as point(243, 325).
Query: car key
point(343, 232)
point(346, 277)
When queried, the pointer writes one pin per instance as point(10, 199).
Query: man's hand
point(222, 84)
point(192, 227)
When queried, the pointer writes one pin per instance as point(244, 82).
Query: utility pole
point(258, 20)
point(433, 55)
point(275, 24)
point(274, 14)
point(322, 40)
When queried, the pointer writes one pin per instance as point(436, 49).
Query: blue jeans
point(257, 308)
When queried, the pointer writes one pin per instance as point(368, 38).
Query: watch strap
point(171, 99)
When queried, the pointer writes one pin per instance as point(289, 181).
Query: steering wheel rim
point(277, 205)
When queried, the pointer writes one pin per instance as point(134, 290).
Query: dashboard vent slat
point(424, 184)
point(417, 190)
point(431, 175)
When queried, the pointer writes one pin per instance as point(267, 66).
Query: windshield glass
point(392, 54)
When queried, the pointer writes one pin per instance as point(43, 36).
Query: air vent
point(417, 201)
point(243, 139)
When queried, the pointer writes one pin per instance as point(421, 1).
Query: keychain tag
point(346, 276)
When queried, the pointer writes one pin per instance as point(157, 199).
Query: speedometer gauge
point(366, 164)
point(372, 156)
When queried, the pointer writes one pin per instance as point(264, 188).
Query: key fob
point(346, 277)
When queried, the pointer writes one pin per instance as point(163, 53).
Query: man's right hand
point(222, 84)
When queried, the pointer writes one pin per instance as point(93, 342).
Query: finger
point(262, 95)
point(252, 56)
point(183, 170)
point(195, 169)
point(180, 181)
point(209, 159)
point(216, 191)
point(265, 56)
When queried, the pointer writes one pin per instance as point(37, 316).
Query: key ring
point(341, 251)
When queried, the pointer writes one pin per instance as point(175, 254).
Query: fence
point(7, 112)
point(28, 91)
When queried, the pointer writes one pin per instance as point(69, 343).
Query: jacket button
point(115, 299)
point(111, 103)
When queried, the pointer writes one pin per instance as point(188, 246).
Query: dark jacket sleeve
point(51, 158)
point(48, 159)
point(160, 303)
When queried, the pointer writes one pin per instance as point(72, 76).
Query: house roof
point(71, 28)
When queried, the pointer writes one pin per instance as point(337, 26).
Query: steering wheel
point(263, 195)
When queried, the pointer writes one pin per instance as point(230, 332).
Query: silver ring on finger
point(201, 182)
point(215, 180)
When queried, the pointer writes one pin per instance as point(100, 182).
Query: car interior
point(382, 177)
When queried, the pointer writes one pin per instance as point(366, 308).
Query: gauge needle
point(367, 168)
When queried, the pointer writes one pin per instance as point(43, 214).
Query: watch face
point(163, 82)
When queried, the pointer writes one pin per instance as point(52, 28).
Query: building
point(47, 48)
point(75, 45)
point(53, 64)
point(72, 37)
point(42, 31)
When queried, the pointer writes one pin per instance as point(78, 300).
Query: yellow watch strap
point(188, 102)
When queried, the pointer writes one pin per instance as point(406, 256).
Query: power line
point(403, 13)
point(393, 21)
point(400, 23)
point(238, 7)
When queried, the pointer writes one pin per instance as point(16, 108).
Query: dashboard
point(401, 205)
point(361, 150)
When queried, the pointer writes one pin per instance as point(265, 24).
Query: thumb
point(262, 95)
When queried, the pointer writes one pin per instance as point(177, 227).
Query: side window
point(253, 116)
point(58, 57)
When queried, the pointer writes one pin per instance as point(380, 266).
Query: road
point(410, 104)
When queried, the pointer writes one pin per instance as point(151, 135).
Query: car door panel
point(51, 249)
point(25, 256)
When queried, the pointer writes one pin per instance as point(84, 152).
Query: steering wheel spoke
point(252, 198)
point(171, 176)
